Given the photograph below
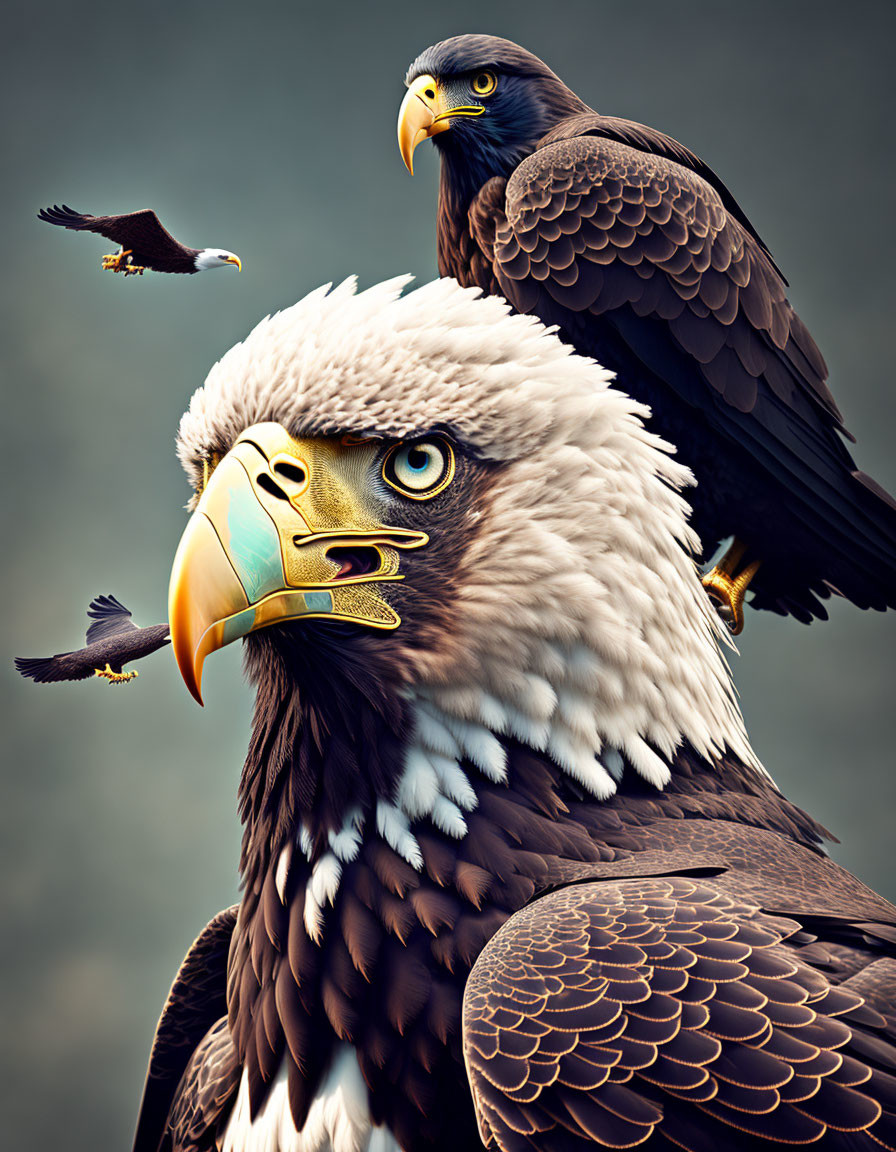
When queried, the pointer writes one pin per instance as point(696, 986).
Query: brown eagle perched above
point(641, 256)
point(144, 242)
point(513, 876)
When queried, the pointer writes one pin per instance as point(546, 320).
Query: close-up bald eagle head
point(424, 506)
point(493, 727)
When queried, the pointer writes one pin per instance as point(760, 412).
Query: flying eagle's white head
point(215, 258)
point(430, 504)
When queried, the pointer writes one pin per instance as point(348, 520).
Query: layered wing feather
point(609, 1013)
point(618, 243)
point(601, 224)
point(191, 1037)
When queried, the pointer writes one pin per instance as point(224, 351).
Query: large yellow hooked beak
point(284, 529)
point(425, 112)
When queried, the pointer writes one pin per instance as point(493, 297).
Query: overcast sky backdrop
point(268, 128)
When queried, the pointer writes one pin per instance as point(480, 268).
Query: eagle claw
point(115, 677)
point(729, 590)
point(122, 262)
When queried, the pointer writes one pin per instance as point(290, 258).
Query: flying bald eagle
point(113, 640)
point(144, 242)
point(513, 876)
point(640, 254)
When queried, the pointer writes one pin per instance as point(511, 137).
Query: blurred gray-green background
point(268, 128)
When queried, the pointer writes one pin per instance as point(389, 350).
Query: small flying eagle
point(512, 875)
point(144, 242)
point(641, 256)
point(113, 640)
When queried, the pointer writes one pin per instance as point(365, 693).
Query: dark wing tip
point(38, 669)
point(110, 618)
point(64, 216)
point(871, 485)
point(110, 605)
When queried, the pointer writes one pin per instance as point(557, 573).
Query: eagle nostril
point(270, 485)
point(291, 472)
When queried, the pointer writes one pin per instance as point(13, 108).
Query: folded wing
point(605, 1013)
point(651, 268)
point(193, 1024)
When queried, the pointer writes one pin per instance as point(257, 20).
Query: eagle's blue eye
point(421, 468)
point(417, 459)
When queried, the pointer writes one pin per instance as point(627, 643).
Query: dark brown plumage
point(144, 242)
point(639, 253)
point(689, 971)
point(113, 640)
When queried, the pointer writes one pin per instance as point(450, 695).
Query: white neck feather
point(338, 1120)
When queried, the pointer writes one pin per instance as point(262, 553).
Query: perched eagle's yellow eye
point(484, 83)
point(420, 469)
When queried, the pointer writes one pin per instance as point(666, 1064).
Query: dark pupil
point(417, 459)
point(482, 81)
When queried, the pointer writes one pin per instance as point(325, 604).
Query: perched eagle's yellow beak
point(284, 529)
point(425, 112)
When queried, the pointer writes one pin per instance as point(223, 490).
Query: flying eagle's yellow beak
point(425, 112)
point(234, 260)
point(284, 529)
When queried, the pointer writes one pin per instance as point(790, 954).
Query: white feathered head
point(456, 501)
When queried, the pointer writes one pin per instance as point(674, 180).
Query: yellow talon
point(729, 589)
point(115, 677)
point(116, 261)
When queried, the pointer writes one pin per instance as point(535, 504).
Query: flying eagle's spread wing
point(110, 617)
point(140, 232)
point(604, 1012)
point(50, 669)
point(186, 1031)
